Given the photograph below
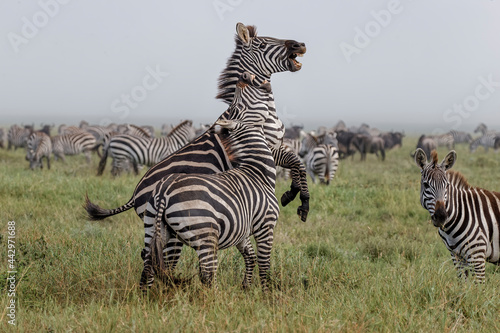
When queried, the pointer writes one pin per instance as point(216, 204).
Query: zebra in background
point(73, 144)
point(17, 136)
point(127, 149)
point(460, 137)
point(321, 159)
point(215, 212)
point(39, 145)
point(486, 140)
point(444, 140)
point(468, 217)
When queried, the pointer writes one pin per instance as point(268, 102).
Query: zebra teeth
point(299, 54)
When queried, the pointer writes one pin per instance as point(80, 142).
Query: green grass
point(367, 259)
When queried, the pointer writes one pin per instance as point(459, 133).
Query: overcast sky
point(431, 65)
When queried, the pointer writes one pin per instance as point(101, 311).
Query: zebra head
point(261, 56)
point(434, 184)
point(309, 142)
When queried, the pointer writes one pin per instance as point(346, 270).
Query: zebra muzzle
point(439, 217)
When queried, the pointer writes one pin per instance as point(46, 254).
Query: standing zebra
point(468, 217)
point(214, 212)
point(486, 140)
point(18, 136)
point(125, 149)
point(321, 159)
point(460, 137)
point(39, 145)
point(73, 144)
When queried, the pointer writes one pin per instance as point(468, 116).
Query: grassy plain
point(366, 260)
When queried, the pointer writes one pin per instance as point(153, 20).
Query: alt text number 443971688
point(11, 272)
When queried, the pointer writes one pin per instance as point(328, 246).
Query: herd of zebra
point(487, 139)
point(216, 188)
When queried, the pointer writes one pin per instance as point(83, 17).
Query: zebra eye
point(262, 46)
point(426, 185)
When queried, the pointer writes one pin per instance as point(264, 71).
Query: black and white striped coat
point(322, 160)
point(214, 212)
point(39, 145)
point(18, 136)
point(73, 144)
point(468, 217)
point(137, 151)
point(487, 140)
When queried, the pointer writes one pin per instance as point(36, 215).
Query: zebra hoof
point(287, 197)
point(302, 212)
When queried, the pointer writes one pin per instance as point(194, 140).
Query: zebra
point(17, 136)
point(215, 212)
point(460, 137)
point(468, 217)
point(136, 150)
point(73, 144)
point(261, 56)
point(444, 140)
point(486, 140)
point(321, 159)
point(39, 145)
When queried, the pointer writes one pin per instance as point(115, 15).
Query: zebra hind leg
point(207, 255)
point(250, 258)
point(264, 247)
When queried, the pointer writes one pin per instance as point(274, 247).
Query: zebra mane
point(457, 179)
point(178, 127)
point(140, 130)
point(230, 75)
point(434, 156)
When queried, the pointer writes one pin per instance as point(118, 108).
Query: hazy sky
point(432, 65)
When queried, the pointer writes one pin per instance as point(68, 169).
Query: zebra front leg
point(290, 160)
point(264, 246)
point(246, 250)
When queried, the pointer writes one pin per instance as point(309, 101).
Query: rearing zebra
point(261, 56)
point(468, 217)
point(214, 212)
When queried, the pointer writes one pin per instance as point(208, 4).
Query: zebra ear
point(420, 158)
point(449, 160)
point(243, 33)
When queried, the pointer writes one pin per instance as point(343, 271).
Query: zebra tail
point(102, 162)
point(157, 243)
point(96, 213)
